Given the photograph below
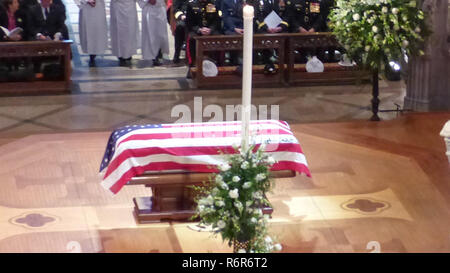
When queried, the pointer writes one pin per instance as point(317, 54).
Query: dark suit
point(21, 21)
point(50, 26)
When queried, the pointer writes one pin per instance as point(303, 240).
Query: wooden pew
point(231, 43)
point(334, 74)
point(172, 197)
point(33, 49)
point(289, 73)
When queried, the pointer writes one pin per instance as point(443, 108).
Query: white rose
point(236, 178)
point(375, 29)
point(367, 48)
point(253, 220)
point(257, 195)
point(224, 186)
point(405, 44)
point(209, 200)
point(268, 240)
point(220, 203)
point(221, 224)
point(278, 247)
point(384, 10)
point(234, 193)
point(417, 30)
point(238, 205)
point(356, 17)
point(249, 210)
point(247, 185)
point(224, 167)
point(248, 203)
point(260, 177)
point(395, 11)
point(245, 165)
point(215, 191)
point(219, 178)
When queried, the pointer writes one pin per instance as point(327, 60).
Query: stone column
point(428, 87)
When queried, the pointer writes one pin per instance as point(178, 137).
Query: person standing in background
point(124, 28)
point(155, 40)
point(179, 9)
point(93, 29)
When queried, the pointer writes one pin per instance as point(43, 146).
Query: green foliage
point(375, 32)
point(232, 201)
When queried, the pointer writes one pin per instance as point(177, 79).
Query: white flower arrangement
point(374, 32)
point(232, 201)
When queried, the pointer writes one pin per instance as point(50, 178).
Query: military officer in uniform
point(203, 17)
point(305, 15)
point(262, 9)
point(179, 7)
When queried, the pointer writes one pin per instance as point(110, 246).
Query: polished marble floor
point(383, 182)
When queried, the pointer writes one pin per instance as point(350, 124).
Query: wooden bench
point(289, 73)
point(172, 196)
point(37, 49)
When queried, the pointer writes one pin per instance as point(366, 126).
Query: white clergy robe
point(124, 28)
point(154, 29)
point(93, 27)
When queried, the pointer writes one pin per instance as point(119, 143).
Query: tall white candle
point(247, 74)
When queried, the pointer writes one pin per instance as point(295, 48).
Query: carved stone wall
point(428, 86)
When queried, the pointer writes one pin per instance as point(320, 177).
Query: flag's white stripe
point(274, 121)
point(200, 142)
point(199, 129)
point(195, 159)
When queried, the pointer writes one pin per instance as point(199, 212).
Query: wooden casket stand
point(173, 197)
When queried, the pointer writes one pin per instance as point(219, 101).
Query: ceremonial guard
point(179, 9)
point(305, 15)
point(93, 28)
point(203, 17)
point(262, 9)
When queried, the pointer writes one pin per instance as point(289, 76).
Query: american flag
point(192, 147)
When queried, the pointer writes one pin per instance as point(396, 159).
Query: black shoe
point(189, 75)
point(270, 69)
point(157, 62)
point(122, 62)
point(92, 63)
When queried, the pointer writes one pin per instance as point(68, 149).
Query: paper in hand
point(17, 30)
point(272, 20)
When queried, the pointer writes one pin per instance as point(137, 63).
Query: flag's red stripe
point(160, 166)
point(189, 151)
point(215, 134)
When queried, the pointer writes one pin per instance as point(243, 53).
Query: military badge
point(210, 8)
point(315, 7)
